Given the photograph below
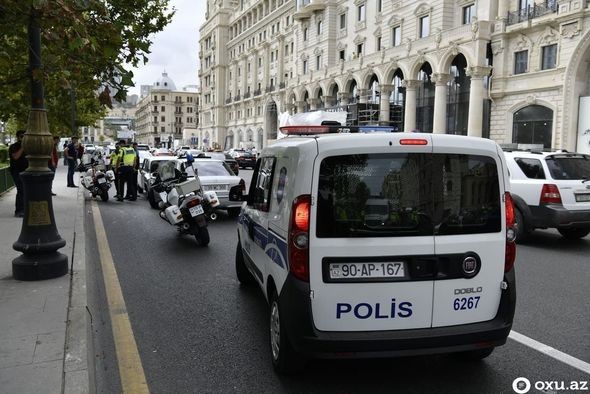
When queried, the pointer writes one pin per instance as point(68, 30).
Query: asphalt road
point(198, 330)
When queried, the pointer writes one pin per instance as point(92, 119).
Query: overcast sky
point(174, 49)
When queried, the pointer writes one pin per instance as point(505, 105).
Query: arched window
point(533, 125)
point(458, 97)
point(425, 100)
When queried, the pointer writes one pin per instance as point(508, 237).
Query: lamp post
point(39, 239)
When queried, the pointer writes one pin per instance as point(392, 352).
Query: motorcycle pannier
point(187, 187)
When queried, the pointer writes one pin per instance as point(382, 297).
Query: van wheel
point(573, 233)
point(284, 358)
point(522, 232)
point(474, 355)
point(244, 276)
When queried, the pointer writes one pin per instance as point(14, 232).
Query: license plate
point(376, 270)
point(101, 180)
point(585, 197)
point(215, 187)
point(196, 210)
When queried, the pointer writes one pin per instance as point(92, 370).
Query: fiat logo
point(469, 265)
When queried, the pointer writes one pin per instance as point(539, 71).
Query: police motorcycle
point(96, 179)
point(184, 204)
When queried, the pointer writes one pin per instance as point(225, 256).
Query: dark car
point(230, 161)
point(245, 159)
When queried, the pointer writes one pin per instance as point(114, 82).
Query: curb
point(76, 376)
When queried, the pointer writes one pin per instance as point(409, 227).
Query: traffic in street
point(196, 328)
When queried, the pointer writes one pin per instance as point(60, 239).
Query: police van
point(434, 274)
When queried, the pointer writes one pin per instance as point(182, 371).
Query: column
point(313, 103)
point(503, 8)
point(363, 95)
point(281, 61)
point(385, 92)
point(411, 86)
point(440, 102)
point(344, 98)
point(476, 97)
point(328, 101)
point(300, 106)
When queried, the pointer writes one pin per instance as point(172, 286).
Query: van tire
point(523, 233)
point(244, 275)
point(475, 355)
point(573, 233)
point(285, 360)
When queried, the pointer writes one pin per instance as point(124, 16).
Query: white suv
point(380, 244)
point(550, 190)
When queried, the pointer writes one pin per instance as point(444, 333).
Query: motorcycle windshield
point(167, 171)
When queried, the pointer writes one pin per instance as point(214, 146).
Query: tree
point(86, 45)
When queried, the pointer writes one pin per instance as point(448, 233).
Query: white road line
point(551, 352)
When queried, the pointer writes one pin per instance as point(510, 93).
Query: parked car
point(144, 176)
point(216, 175)
point(162, 152)
point(230, 161)
point(550, 190)
point(142, 155)
point(245, 159)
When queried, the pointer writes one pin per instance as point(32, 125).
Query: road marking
point(551, 352)
point(130, 367)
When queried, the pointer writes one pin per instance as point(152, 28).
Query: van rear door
point(470, 236)
point(371, 235)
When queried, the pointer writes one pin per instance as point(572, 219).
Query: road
point(198, 330)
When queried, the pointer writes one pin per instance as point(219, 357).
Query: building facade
point(164, 115)
point(509, 70)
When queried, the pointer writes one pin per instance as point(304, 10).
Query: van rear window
point(385, 195)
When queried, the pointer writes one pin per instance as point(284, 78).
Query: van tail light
point(510, 254)
point(413, 141)
point(298, 245)
point(550, 194)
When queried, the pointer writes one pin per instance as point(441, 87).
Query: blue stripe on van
point(276, 249)
point(273, 245)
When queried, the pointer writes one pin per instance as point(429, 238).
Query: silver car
point(216, 175)
point(144, 176)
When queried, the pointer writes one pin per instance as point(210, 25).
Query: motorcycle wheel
point(202, 236)
point(104, 195)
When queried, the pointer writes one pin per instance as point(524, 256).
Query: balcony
point(270, 88)
point(246, 95)
point(305, 8)
point(282, 85)
point(237, 98)
point(228, 100)
point(257, 92)
point(531, 12)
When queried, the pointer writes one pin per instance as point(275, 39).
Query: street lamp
point(39, 239)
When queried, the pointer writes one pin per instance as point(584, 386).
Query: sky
point(174, 49)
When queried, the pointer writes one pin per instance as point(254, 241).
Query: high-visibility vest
point(127, 156)
point(114, 159)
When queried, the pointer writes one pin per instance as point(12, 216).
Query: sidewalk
point(43, 324)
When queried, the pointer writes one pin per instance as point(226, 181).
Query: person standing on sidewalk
point(54, 160)
point(71, 153)
point(18, 163)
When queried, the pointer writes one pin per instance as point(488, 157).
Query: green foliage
point(86, 45)
point(3, 154)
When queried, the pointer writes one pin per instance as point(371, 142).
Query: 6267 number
point(465, 303)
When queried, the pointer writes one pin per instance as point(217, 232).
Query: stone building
point(510, 70)
point(164, 115)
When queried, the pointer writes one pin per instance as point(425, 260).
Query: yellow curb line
point(130, 367)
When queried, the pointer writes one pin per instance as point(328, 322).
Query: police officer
point(130, 196)
point(127, 157)
point(114, 160)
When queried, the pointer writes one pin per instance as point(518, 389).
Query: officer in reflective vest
point(114, 159)
point(127, 157)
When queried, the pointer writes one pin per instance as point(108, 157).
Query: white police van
point(433, 275)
